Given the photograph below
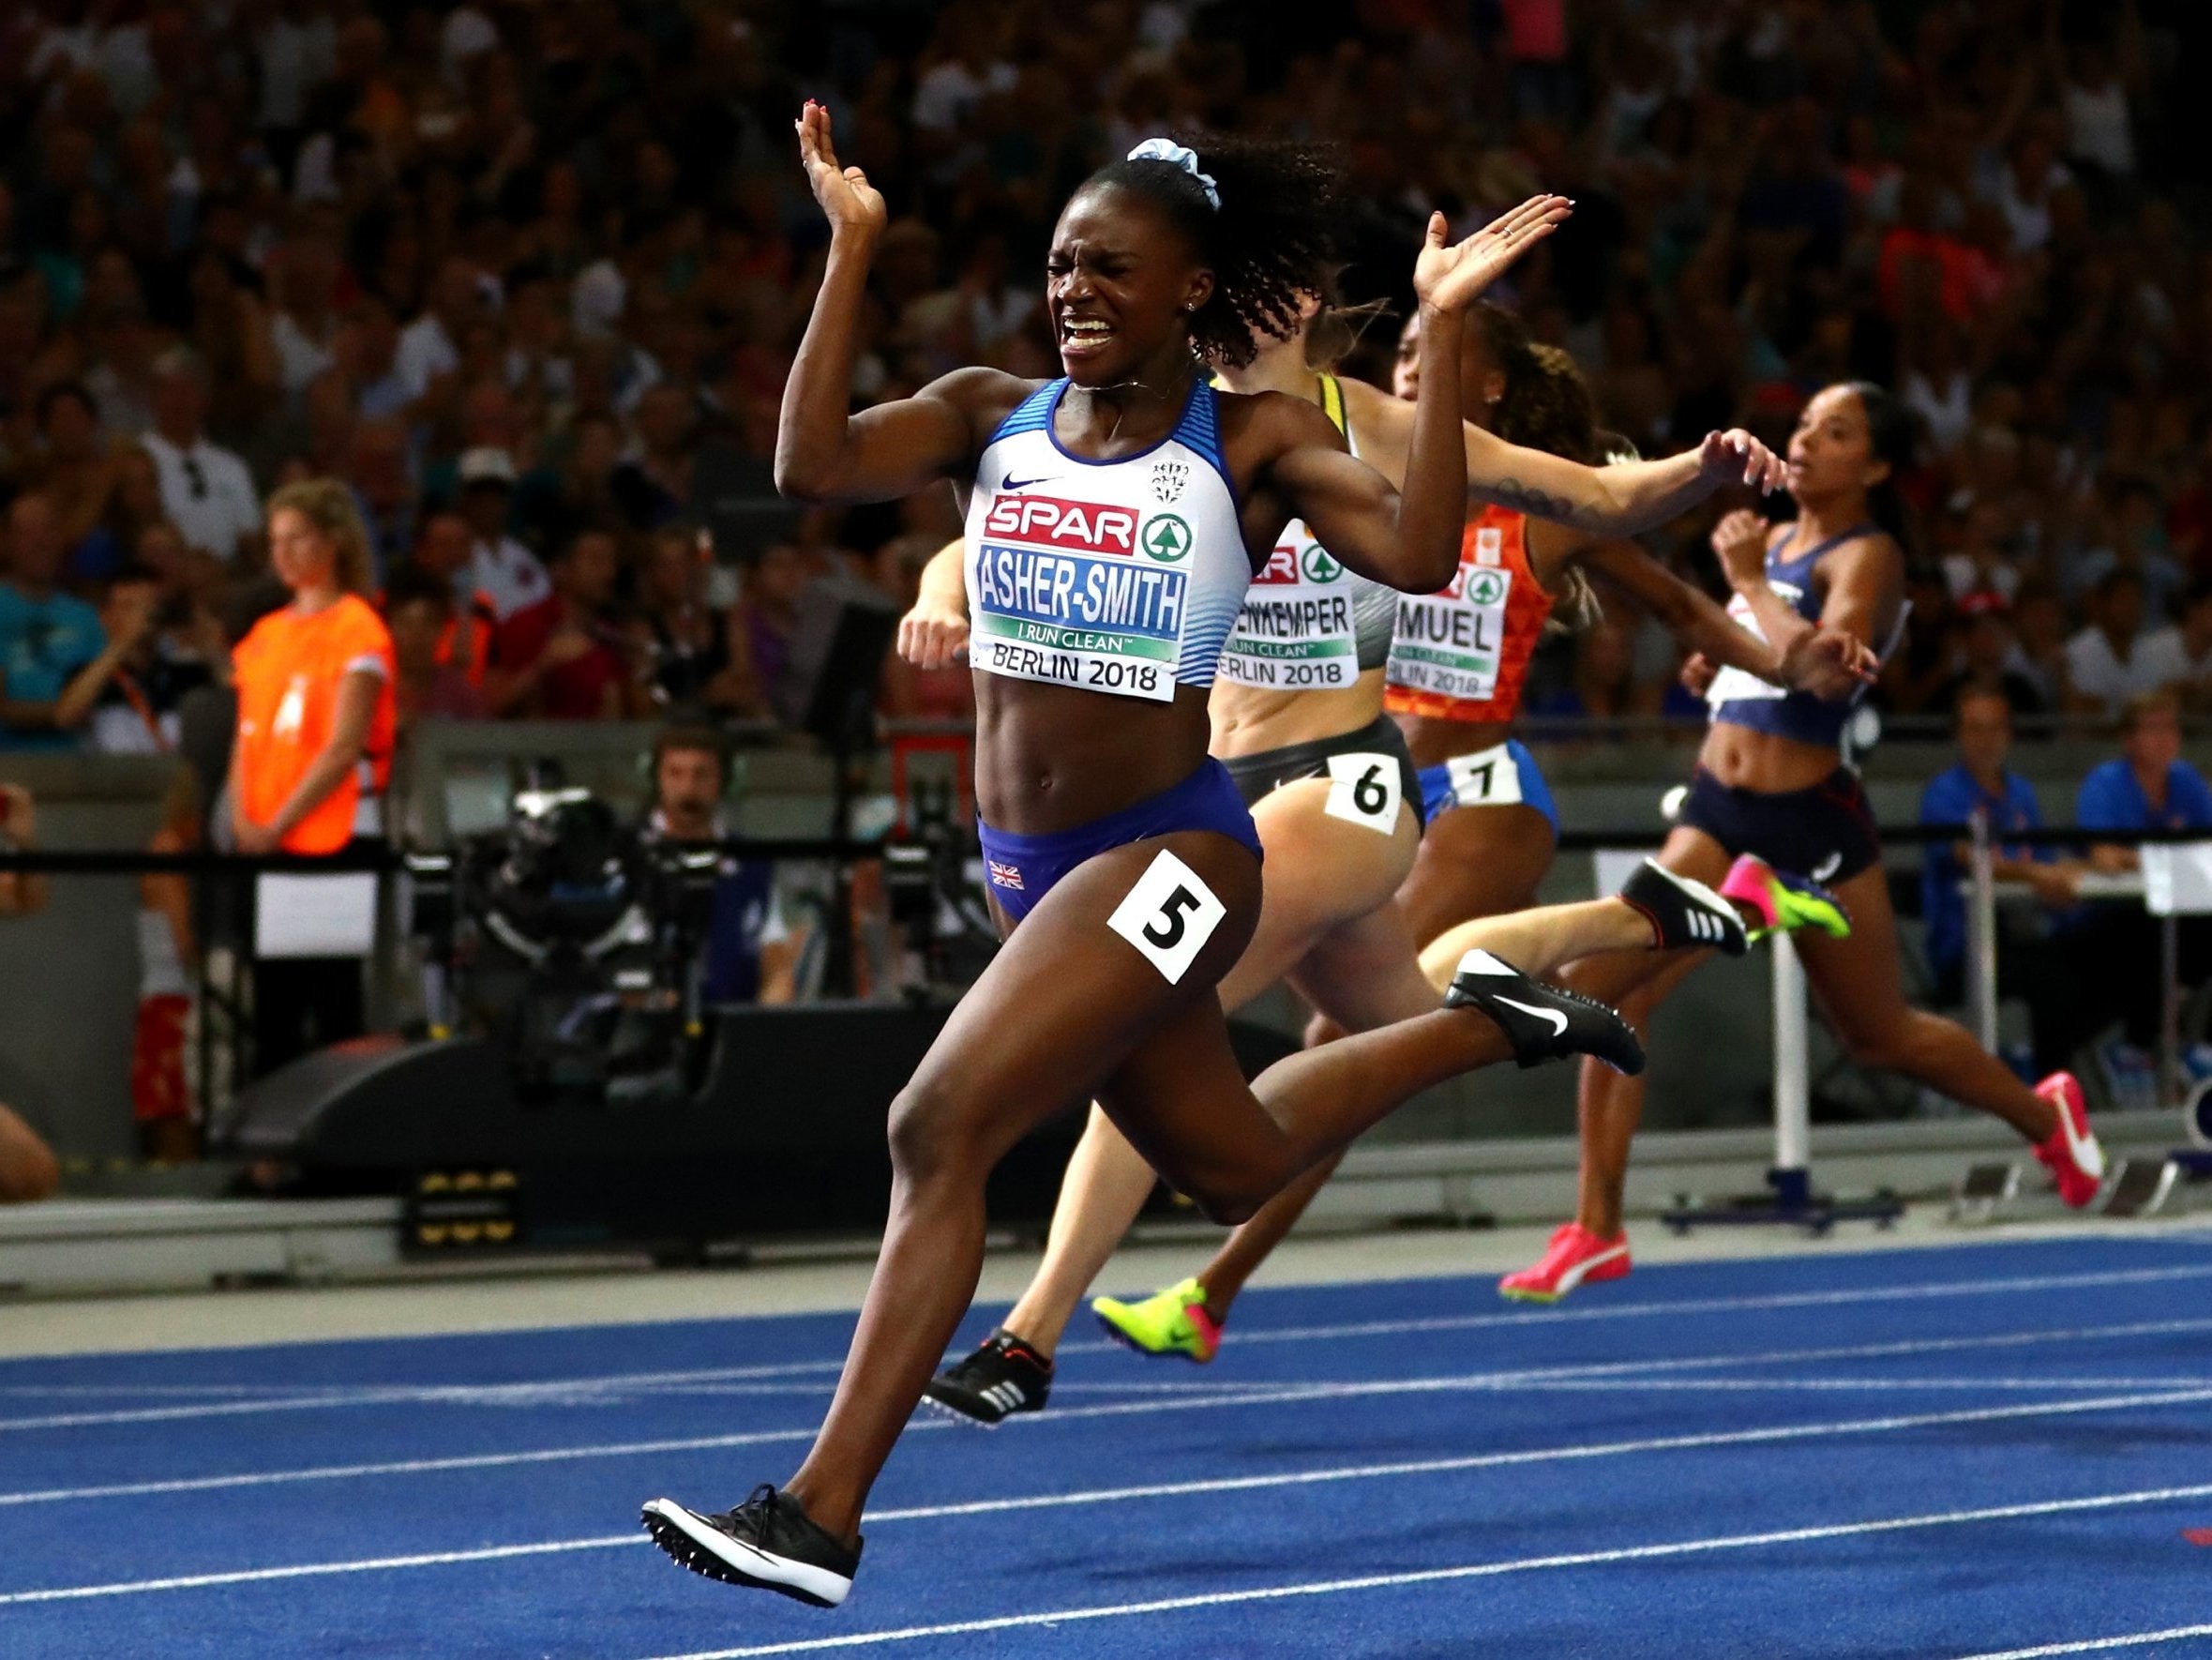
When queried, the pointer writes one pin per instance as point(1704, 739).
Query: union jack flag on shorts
point(1006, 875)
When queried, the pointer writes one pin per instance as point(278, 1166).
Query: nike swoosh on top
point(1009, 482)
point(1557, 1020)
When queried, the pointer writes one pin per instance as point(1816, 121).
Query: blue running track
point(1975, 1450)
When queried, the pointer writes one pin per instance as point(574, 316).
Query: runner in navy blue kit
point(1772, 780)
point(1116, 518)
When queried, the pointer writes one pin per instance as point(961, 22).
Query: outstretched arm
point(823, 452)
point(1825, 663)
point(1613, 501)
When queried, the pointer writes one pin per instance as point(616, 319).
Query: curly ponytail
point(1546, 403)
point(1269, 242)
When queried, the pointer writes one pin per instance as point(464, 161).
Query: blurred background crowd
point(526, 275)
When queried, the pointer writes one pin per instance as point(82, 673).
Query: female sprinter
point(1116, 518)
point(1298, 720)
point(1771, 781)
point(1491, 826)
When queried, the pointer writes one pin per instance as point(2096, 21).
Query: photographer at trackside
point(752, 955)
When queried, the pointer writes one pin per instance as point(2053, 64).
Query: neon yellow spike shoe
point(1173, 1321)
point(1784, 903)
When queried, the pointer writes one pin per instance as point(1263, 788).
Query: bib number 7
point(1169, 916)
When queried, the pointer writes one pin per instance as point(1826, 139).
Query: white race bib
point(1734, 685)
point(1364, 789)
point(1450, 643)
point(1488, 777)
point(1169, 916)
point(1296, 631)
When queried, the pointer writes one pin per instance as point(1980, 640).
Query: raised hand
point(1740, 540)
point(848, 199)
point(1450, 277)
point(1733, 455)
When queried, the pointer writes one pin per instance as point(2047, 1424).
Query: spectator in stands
point(46, 634)
point(2183, 650)
point(126, 700)
point(206, 490)
point(1988, 654)
point(502, 569)
point(432, 650)
point(76, 471)
point(2105, 663)
point(561, 659)
point(316, 713)
point(653, 486)
point(752, 955)
point(698, 652)
point(2114, 948)
point(28, 1169)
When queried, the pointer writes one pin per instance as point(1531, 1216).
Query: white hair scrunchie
point(1160, 149)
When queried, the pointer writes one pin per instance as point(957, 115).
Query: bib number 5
point(1169, 916)
point(1364, 789)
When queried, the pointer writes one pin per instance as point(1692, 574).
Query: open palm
point(1452, 276)
point(847, 198)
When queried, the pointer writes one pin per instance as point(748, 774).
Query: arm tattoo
point(1539, 504)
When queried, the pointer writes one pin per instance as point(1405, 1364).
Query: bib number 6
point(1364, 789)
point(1169, 916)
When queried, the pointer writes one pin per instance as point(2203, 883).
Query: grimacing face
point(1120, 280)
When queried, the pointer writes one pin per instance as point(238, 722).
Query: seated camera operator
point(27, 1166)
point(752, 955)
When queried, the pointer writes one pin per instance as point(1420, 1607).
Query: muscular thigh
point(1321, 871)
point(1067, 997)
point(1181, 1100)
point(1476, 861)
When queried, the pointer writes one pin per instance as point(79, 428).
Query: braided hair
point(1269, 242)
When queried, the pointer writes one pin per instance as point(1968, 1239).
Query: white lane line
point(1470, 1570)
point(1524, 1316)
point(1602, 1377)
point(1172, 1490)
point(531, 1393)
point(2096, 1645)
point(206, 1483)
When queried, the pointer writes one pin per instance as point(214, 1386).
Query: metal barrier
point(1792, 1061)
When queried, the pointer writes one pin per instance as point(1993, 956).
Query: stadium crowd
point(527, 277)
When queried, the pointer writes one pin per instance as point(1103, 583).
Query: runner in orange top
point(315, 684)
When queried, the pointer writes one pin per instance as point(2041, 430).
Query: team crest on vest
point(1168, 477)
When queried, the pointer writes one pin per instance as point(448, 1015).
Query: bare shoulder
point(984, 396)
point(1260, 426)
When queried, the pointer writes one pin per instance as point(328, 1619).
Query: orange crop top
point(1462, 653)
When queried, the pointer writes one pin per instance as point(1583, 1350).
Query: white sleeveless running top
point(1121, 576)
point(1309, 623)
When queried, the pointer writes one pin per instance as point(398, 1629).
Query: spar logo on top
point(1083, 576)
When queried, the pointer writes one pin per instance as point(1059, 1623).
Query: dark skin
point(1855, 980)
point(1067, 1011)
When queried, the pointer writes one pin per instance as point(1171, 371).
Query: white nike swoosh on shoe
point(747, 1559)
point(1557, 1020)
